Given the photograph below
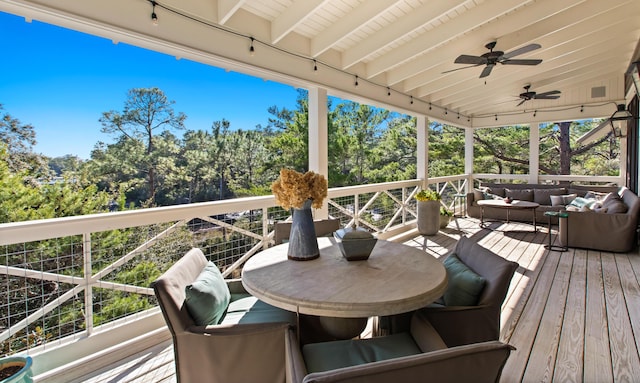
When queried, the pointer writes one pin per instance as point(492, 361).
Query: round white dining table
point(395, 279)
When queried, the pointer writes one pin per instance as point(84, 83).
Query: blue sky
point(61, 81)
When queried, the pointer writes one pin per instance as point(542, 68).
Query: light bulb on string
point(252, 50)
point(154, 17)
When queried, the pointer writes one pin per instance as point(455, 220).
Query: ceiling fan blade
point(453, 70)
point(487, 70)
point(519, 51)
point(546, 97)
point(521, 102)
point(550, 93)
point(466, 59)
point(521, 62)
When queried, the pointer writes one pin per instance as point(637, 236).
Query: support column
point(534, 153)
point(319, 140)
point(468, 157)
point(422, 154)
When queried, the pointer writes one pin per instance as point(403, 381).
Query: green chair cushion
point(328, 356)
point(464, 286)
point(207, 298)
point(245, 309)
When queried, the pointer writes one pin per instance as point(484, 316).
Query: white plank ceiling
point(396, 51)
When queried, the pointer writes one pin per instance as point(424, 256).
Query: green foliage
point(428, 195)
point(446, 150)
point(150, 164)
point(446, 212)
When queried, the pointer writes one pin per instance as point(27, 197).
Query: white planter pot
point(428, 217)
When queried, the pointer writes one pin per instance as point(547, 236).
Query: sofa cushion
point(562, 200)
point(207, 298)
point(581, 203)
point(543, 196)
point(464, 286)
point(519, 194)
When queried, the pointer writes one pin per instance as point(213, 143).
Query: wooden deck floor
point(572, 316)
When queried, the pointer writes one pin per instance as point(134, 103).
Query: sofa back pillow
point(519, 194)
point(614, 204)
point(562, 200)
point(543, 196)
point(500, 192)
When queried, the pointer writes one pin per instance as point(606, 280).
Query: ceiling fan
point(529, 95)
point(491, 58)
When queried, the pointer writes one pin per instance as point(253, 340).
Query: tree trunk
point(565, 148)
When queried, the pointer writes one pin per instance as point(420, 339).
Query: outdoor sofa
point(593, 226)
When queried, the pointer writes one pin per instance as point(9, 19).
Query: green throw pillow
point(465, 286)
point(207, 298)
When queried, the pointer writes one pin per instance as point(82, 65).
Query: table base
point(484, 226)
point(343, 328)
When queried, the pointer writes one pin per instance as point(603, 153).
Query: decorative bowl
point(355, 244)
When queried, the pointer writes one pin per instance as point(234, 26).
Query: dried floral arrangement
point(292, 188)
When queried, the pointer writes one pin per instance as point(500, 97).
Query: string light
point(154, 17)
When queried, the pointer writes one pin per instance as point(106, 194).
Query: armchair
point(246, 346)
point(458, 325)
point(403, 357)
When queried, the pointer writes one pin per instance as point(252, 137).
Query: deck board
point(573, 316)
point(597, 354)
point(570, 350)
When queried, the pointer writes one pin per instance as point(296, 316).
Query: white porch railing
point(61, 277)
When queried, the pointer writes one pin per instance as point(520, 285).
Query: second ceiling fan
point(530, 95)
point(491, 58)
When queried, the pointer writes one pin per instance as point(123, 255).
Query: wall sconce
point(619, 121)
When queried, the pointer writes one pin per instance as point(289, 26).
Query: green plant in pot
point(428, 206)
point(16, 369)
point(445, 217)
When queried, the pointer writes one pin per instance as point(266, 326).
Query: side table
point(460, 199)
point(558, 214)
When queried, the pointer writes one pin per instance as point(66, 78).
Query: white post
point(534, 153)
point(468, 157)
point(422, 154)
point(88, 289)
point(319, 140)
